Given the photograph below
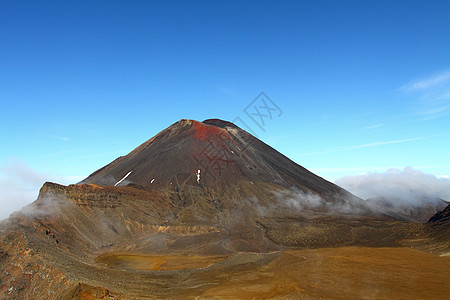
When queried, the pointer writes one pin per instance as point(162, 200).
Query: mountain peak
point(219, 123)
point(210, 154)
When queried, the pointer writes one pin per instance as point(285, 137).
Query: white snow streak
point(123, 178)
point(198, 176)
point(152, 180)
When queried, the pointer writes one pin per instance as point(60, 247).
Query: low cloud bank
point(298, 199)
point(20, 184)
point(302, 201)
point(402, 187)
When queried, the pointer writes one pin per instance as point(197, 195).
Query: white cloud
point(374, 144)
point(427, 83)
point(20, 184)
point(432, 95)
point(433, 111)
point(407, 185)
point(61, 138)
point(374, 126)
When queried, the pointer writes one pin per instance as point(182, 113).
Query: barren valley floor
point(327, 273)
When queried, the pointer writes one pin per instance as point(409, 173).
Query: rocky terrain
point(205, 210)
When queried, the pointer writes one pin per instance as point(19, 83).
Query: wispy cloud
point(374, 126)
point(432, 95)
point(20, 184)
point(427, 83)
point(435, 111)
point(61, 138)
point(374, 144)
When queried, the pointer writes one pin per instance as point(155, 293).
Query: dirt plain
point(326, 273)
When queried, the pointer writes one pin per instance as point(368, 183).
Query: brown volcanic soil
point(156, 262)
point(58, 251)
point(340, 273)
point(332, 273)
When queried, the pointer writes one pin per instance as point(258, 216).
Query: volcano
point(200, 210)
point(211, 155)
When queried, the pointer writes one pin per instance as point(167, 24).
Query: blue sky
point(363, 86)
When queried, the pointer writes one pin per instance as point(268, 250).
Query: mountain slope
point(193, 205)
point(439, 229)
point(224, 154)
point(419, 209)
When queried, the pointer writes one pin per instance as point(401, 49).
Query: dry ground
point(157, 262)
point(327, 273)
point(343, 273)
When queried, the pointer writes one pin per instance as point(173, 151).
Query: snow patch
point(198, 176)
point(232, 130)
point(118, 182)
point(152, 180)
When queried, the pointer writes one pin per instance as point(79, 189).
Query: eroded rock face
point(438, 228)
point(195, 189)
point(442, 216)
